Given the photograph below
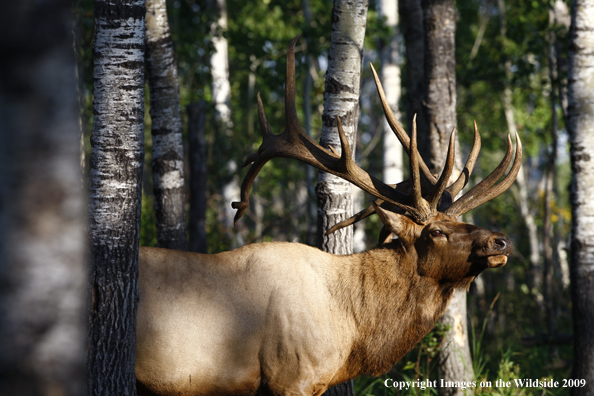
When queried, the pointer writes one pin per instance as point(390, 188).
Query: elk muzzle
point(499, 248)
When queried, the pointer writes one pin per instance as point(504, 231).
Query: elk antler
point(294, 143)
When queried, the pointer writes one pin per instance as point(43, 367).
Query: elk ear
point(393, 222)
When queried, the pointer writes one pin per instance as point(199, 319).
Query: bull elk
point(288, 319)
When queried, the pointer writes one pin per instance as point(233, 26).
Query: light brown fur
point(289, 319)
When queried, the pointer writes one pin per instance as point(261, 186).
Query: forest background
point(496, 50)
point(511, 74)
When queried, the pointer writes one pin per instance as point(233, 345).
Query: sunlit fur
point(289, 319)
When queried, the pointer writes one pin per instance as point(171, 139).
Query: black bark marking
point(333, 86)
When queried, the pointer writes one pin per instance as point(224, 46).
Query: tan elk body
point(288, 319)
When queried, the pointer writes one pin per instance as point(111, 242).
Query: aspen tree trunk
point(42, 239)
point(219, 63)
point(341, 98)
point(115, 194)
point(221, 93)
point(168, 150)
point(581, 127)
point(414, 38)
point(439, 21)
point(198, 170)
point(390, 73)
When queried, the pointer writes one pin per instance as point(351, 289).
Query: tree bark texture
point(439, 23)
point(341, 99)
point(390, 73)
point(454, 361)
point(198, 176)
point(414, 39)
point(581, 127)
point(115, 194)
point(42, 243)
point(168, 150)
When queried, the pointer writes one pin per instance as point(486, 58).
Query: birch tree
point(115, 194)
point(341, 99)
point(581, 127)
point(439, 21)
point(390, 74)
point(221, 94)
point(168, 150)
point(414, 39)
point(42, 255)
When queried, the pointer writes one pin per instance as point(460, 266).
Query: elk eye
point(436, 233)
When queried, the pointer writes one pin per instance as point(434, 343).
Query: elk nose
point(501, 243)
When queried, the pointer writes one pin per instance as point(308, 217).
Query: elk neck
point(392, 306)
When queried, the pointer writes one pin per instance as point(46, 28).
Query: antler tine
point(422, 210)
point(483, 192)
point(346, 155)
point(397, 128)
point(363, 214)
point(457, 186)
point(415, 178)
point(293, 125)
point(440, 187)
point(368, 211)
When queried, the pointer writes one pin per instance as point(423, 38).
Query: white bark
point(581, 126)
point(341, 98)
point(221, 94)
point(219, 67)
point(115, 194)
point(168, 150)
point(455, 358)
point(390, 74)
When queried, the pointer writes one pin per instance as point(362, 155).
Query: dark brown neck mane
point(392, 305)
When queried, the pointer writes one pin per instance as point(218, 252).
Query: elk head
point(421, 211)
